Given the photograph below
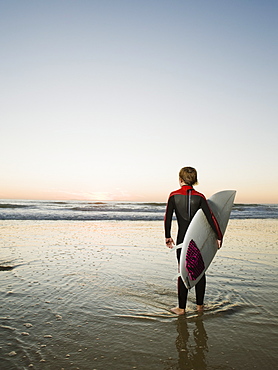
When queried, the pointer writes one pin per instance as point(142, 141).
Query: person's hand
point(219, 243)
point(169, 242)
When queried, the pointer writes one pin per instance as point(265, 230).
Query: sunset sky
point(108, 99)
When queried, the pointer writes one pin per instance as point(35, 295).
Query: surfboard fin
point(176, 276)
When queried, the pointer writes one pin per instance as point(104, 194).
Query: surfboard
point(200, 243)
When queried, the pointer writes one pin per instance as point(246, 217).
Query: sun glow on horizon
point(241, 198)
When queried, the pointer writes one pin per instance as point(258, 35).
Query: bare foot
point(200, 308)
point(178, 311)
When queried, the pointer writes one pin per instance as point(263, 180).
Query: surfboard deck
point(200, 243)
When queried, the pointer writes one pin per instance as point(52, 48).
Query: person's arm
point(212, 221)
point(168, 222)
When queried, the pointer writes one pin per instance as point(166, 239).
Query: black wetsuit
point(178, 202)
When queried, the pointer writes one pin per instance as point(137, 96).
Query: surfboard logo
point(194, 263)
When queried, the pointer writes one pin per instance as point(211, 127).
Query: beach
point(97, 294)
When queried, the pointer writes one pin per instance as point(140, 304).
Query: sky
point(108, 100)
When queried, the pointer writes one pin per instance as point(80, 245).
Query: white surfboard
point(201, 237)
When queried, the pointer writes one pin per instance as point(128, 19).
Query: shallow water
point(96, 295)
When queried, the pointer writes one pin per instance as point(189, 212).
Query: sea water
point(97, 295)
point(91, 285)
point(122, 211)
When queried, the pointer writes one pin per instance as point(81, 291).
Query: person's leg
point(182, 297)
point(182, 293)
point(200, 289)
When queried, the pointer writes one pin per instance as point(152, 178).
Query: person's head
point(188, 175)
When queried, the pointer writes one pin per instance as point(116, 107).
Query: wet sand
point(96, 295)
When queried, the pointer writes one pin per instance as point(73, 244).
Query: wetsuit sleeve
point(211, 219)
point(168, 217)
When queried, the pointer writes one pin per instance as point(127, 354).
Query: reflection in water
point(191, 348)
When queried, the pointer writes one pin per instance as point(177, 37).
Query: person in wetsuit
point(185, 202)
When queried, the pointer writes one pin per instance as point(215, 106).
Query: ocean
point(89, 285)
point(118, 211)
point(97, 295)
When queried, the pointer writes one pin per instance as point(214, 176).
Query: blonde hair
point(188, 175)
